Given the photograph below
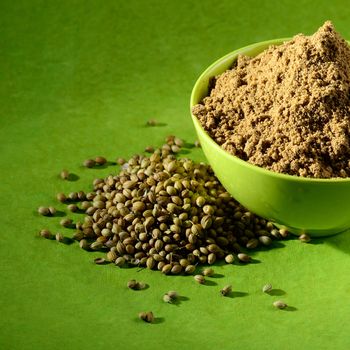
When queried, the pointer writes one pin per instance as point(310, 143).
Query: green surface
point(79, 79)
point(280, 198)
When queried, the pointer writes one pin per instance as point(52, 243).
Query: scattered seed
point(305, 238)
point(120, 161)
point(120, 261)
point(199, 278)
point(229, 258)
point(46, 234)
point(66, 222)
point(72, 207)
point(100, 160)
point(244, 257)
point(135, 285)
point(226, 290)
point(267, 288)
point(59, 237)
point(167, 298)
point(99, 261)
point(190, 269)
point(280, 304)
point(84, 244)
point(172, 294)
point(197, 144)
point(89, 163)
point(208, 272)
point(64, 174)
point(61, 197)
point(283, 232)
point(265, 240)
point(73, 196)
point(52, 211)
point(149, 149)
point(44, 211)
point(152, 122)
point(146, 316)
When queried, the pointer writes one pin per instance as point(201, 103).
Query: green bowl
point(319, 207)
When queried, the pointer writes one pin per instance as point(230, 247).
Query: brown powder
point(287, 109)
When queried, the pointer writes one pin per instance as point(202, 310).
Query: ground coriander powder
point(287, 109)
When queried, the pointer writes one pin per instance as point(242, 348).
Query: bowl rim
point(232, 56)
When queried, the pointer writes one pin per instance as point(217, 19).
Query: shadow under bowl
point(319, 207)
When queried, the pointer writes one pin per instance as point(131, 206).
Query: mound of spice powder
point(287, 109)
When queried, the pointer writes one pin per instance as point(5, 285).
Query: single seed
point(132, 284)
point(73, 196)
point(72, 207)
point(166, 268)
point(89, 163)
point(111, 256)
point(176, 269)
point(304, 238)
point(146, 316)
point(244, 257)
point(283, 232)
point(226, 290)
point(199, 278)
point(211, 258)
point(120, 261)
point(208, 272)
point(120, 161)
point(152, 122)
point(167, 298)
point(59, 237)
point(84, 244)
point(200, 201)
point(99, 261)
point(265, 240)
point(267, 288)
point(229, 258)
point(197, 144)
point(66, 222)
point(96, 245)
point(149, 149)
point(190, 269)
point(172, 294)
point(46, 234)
point(61, 197)
point(44, 211)
point(100, 160)
point(279, 304)
point(64, 174)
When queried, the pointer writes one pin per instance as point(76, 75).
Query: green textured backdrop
point(79, 79)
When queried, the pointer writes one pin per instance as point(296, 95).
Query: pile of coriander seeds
point(167, 213)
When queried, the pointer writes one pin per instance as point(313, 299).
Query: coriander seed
point(167, 298)
point(208, 272)
point(59, 237)
point(244, 257)
point(66, 222)
point(61, 197)
point(72, 207)
point(45, 211)
point(46, 234)
point(152, 122)
point(305, 238)
point(99, 261)
point(229, 258)
point(279, 304)
point(267, 288)
point(199, 278)
point(146, 316)
point(100, 160)
point(226, 290)
point(89, 163)
point(64, 174)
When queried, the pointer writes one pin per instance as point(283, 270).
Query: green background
point(80, 79)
